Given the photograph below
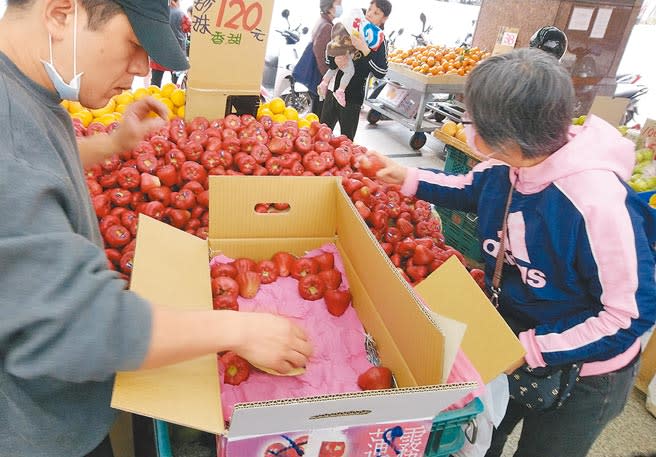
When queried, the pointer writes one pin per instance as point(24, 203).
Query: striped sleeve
point(453, 191)
point(378, 61)
point(616, 263)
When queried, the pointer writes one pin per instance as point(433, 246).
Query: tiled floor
point(633, 433)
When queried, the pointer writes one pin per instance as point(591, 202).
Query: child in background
point(340, 44)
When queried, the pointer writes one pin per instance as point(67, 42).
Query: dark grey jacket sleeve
point(64, 314)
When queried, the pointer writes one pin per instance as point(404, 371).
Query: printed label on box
point(406, 439)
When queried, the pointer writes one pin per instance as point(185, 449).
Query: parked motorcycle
point(629, 86)
point(277, 78)
point(422, 38)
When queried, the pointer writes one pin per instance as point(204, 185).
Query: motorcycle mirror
point(422, 18)
point(285, 13)
point(400, 32)
point(305, 30)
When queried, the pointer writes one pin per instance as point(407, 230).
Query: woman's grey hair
point(524, 97)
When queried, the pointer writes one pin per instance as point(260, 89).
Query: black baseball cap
point(150, 22)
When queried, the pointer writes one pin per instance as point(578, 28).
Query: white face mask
point(70, 90)
point(338, 10)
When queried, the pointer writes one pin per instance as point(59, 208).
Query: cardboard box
point(228, 43)
point(172, 268)
point(647, 364)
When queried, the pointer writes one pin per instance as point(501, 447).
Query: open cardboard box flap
point(171, 267)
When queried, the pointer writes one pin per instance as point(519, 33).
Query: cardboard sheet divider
point(414, 333)
point(485, 326)
point(171, 268)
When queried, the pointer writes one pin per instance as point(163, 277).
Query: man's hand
point(360, 44)
point(393, 173)
point(342, 61)
point(272, 342)
point(136, 123)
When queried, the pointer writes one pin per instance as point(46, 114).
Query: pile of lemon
point(455, 130)
point(279, 113)
point(169, 94)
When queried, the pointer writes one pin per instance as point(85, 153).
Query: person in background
point(578, 276)
point(311, 65)
point(68, 323)
point(365, 62)
point(177, 22)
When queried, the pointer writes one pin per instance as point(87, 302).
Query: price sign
point(228, 44)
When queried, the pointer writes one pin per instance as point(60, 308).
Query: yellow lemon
point(105, 119)
point(652, 201)
point(169, 104)
point(75, 107)
point(167, 89)
point(277, 105)
point(124, 98)
point(181, 112)
point(140, 93)
point(449, 128)
point(311, 117)
point(279, 118)
point(264, 112)
point(265, 105)
point(83, 115)
point(303, 123)
point(153, 89)
point(120, 108)
point(178, 97)
point(65, 104)
point(108, 108)
point(460, 135)
point(291, 113)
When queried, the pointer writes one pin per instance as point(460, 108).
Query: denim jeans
point(572, 429)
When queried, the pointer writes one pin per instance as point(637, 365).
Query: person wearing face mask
point(178, 21)
point(574, 245)
point(312, 65)
point(68, 323)
point(365, 61)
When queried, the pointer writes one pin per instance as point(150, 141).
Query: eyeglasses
point(465, 119)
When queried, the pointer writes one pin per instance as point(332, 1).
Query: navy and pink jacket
point(579, 269)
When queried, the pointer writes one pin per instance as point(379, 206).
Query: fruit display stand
point(459, 227)
point(420, 88)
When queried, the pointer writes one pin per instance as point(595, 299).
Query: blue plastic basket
point(448, 435)
point(460, 228)
point(162, 440)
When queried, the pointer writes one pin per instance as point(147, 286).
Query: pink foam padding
point(338, 342)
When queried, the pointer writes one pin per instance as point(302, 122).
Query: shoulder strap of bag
point(498, 268)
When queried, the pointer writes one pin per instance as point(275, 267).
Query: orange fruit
point(449, 128)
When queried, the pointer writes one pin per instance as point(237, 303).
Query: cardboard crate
point(172, 268)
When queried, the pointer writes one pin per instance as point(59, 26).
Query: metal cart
point(423, 91)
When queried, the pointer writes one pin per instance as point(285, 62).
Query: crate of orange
point(436, 64)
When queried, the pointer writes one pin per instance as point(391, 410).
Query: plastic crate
point(447, 435)
point(460, 228)
point(162, 439)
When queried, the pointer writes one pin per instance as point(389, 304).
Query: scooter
point(277, 78)
point(423, 39)
point(628, 86)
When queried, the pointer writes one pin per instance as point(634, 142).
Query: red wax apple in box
point(332, 326)
point(375, 378)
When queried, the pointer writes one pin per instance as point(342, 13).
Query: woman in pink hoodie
point(578, 267)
